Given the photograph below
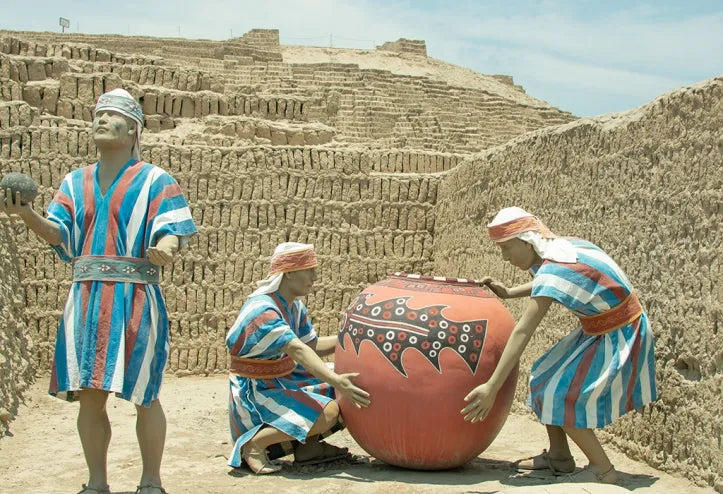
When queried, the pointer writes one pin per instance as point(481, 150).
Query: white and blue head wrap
point(121, 101)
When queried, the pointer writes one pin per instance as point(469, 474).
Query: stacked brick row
point(16, 113)
point(397, 110)
point(165, 91)
point(646, 187)
point(235, 131)
point(171, 48)
point(263, 38)
point(28, 46)
point(199, 104)
point(161, 76)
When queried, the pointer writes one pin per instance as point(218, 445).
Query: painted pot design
point(421, 344)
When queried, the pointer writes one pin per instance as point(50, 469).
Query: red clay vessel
point(421, 344)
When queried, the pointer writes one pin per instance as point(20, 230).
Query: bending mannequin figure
point(603, 369)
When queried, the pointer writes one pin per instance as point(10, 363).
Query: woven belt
point(117, 269)
point(261, 369)
point(617, 317)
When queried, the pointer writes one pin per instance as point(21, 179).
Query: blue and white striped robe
point(589, 381)
point(113, 336)
point(291, 403)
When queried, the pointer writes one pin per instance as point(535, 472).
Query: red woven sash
point(261, 369)
point(615, 318)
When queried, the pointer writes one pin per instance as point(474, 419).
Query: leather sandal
point(100, 490)
point(328, 453)
point(543, 461)
point(150, 486)
point(267, 466)
point(591, 474)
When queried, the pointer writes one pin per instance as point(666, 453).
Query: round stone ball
point(19, 182)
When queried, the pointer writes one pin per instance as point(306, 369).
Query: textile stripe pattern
point(113, 336)
point(588, 381)
point(291, 404)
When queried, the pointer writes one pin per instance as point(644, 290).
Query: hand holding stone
point(19, 182)
point(11, 203)
point(17, 191)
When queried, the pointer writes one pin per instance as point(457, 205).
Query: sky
point(586, 57)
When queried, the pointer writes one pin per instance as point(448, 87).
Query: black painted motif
point(393, 327)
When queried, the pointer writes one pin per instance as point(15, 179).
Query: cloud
point(684, 45)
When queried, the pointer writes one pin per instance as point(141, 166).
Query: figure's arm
point(303, 354)
point(482, 397)
point(518, 291)
point(502, 291)
point(43, 227)
point(535, 310)
point(324, 345)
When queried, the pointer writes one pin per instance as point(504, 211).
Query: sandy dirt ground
point(42, 454)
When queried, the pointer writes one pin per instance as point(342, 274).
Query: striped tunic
point(291, 404)
point(114, 336)
point(589, 381)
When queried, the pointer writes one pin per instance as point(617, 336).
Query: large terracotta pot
point(420, 345)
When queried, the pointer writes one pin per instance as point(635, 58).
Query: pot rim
point(436, 279)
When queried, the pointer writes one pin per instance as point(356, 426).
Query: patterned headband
point(127, 106)
point(293, 261)
point(506, 231)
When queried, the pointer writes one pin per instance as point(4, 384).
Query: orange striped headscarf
point(503, 228)
point(287, 257)
point(293, 258)
point(515, 222)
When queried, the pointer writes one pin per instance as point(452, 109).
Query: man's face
point(112, 128)
point(301, 282)
point(518, 253)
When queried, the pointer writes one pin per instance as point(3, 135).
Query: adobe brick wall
point(645, 186)
point(16, 368)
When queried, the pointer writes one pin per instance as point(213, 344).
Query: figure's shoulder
point(260, 306)
point(154, 169)
point(260, 303)
point(580, 243)
point(159, 176)
point(547, 267)
point(77, 178)
point(164, 175)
